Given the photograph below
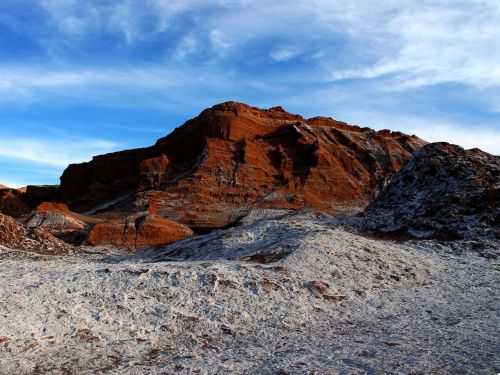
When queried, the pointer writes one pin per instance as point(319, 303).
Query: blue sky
point(79, 78)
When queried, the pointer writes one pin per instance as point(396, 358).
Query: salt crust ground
point(279, 294)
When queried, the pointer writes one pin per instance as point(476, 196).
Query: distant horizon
point(81, 79)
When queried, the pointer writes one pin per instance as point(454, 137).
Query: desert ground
point(280, 293)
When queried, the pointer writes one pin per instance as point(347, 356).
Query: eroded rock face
point(445, 192)
point(234, 157)
point(138, 231)
point(15, 236)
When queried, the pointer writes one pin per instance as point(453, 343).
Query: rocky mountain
point(232, 157)
point(279, 287)
point(444, 191)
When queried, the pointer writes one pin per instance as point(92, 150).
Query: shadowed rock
point(445, 192)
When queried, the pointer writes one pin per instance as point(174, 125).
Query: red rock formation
point(211, 170)
point(138, 231)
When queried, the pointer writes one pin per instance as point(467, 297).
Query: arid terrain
point(290, 294)
point(255, 241)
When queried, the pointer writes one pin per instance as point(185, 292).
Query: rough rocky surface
point(233, 157)
point(138, 231)
point(16, 236)
point(287, 294)
point(444, 192)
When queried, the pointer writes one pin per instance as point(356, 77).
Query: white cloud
point(186, 47)
point(427, 43)
point(285, 53)
point(54, 153)
point(25, 80)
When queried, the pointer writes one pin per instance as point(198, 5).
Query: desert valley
point(256, 241)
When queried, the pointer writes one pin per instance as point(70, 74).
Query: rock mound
point(15, 236)
point(234, 157)
point(444, 191)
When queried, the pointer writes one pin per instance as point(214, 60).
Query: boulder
point(138, 231)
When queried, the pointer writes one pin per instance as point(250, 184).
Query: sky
point(80, 78)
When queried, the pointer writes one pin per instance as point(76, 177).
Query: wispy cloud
point(54, 153)
point(418, 42)
point(285, 53)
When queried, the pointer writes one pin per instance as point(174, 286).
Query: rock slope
point(284, 294)
point(232, 157)
point(444, 192)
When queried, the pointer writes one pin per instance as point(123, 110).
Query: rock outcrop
point(57, 219)
point(233, 157)
point(15, 236)
point(443, 192)
point(138, 231)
